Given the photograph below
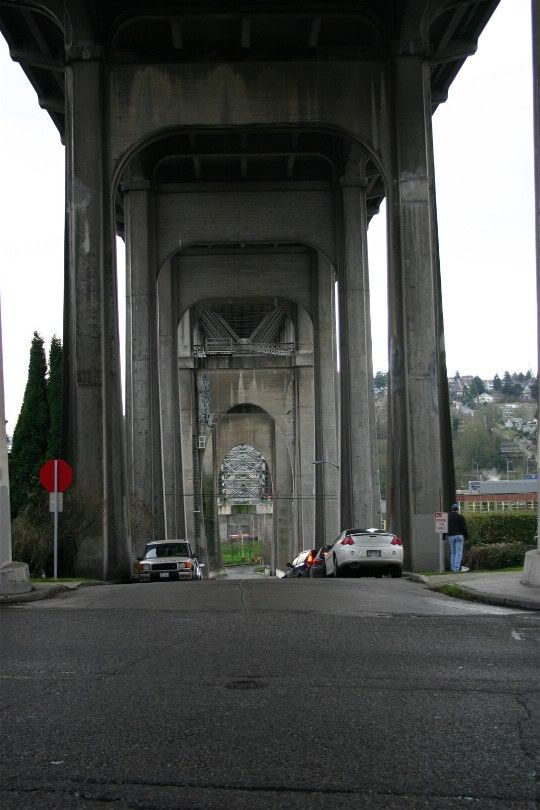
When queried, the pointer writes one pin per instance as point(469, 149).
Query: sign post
point(56, 475)
point(441, 527)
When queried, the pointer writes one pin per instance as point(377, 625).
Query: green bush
point(32, 534)
point(500, 527)
point(496, 555)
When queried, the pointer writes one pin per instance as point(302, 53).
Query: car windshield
point(167, 550)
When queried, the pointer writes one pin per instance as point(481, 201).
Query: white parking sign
point(441, 522)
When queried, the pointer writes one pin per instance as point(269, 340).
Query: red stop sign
point(64, 475)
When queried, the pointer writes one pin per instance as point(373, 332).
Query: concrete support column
point(285, 527)
point(142, 395)
point(415, 490)
point(327, 511)
point(93, 417)
point(531, 571)
point(169, 404)
point(360, 498)
point(304, 439)
point(305, 454)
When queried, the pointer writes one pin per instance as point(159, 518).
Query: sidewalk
point(47, 590)
point(493, 587)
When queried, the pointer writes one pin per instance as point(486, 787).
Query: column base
point(531, 569)
point(14, 578)
point(425, 551)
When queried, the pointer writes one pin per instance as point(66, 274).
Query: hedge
point(486, 528)
point(496, 555)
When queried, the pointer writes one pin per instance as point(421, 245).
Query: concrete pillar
point(445, 424)
point(142, 396)
point(285, 528)
point(169, 405)
point(93, 417)
point(304, 439)
point(415, 490)
point(305, 454)
point(531, 571)
point(360, 497)
point(327, 511)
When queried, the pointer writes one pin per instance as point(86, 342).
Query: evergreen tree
point(54, 396)
point(507, 385)
point(28, 450)
point(497, 384)
point(467, 397)
point(477, 387)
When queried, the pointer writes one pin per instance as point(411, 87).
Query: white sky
point(484, 170)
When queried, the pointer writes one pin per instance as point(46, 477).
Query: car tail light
point(309, 559)
point(347, 541)
point(396, 542)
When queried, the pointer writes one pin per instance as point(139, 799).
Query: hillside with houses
point(494, 425)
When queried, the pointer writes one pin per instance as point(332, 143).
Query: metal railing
point(229, 347)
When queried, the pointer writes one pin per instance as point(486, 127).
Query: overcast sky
point(484, 170)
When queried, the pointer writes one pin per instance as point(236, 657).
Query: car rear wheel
point(395, 572)
point(336, 569)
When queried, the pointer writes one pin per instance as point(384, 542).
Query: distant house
point(530, 427)
point(514, 422)
point(484, 399)
point(461, 408)
point(500, 495)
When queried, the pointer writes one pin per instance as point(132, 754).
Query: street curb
point(521, 603)
point(416, 577)
point(47, 592)
point(491, 598)
point(35, 595)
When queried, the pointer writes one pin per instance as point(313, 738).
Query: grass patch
point(454, 590)
point(236, 555)
point(510, 569)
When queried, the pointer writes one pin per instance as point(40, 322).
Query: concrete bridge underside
point(240, 150)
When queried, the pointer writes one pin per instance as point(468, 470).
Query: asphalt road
point(257, 693)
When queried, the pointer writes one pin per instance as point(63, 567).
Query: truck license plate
point(164, 574)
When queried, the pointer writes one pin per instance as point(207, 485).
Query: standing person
point(457, 534)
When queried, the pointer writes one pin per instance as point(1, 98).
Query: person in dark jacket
point(457, 534)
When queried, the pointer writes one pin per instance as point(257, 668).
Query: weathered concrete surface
point(241, 135)
point(531, 569)
point(14, 578)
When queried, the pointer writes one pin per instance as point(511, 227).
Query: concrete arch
point(316, 248)
point(123, 21)
point(260, 430)
point(161, 133)
point(288, 305)
point(55, 10)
